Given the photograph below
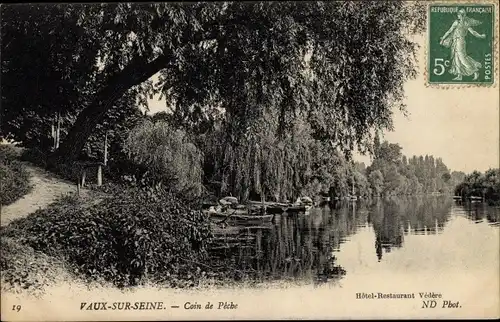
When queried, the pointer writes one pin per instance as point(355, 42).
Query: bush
point(22, 269)
point(168, 154)
point(14, 178)
point(34, 156)
point(124, 239)
point(8, 154)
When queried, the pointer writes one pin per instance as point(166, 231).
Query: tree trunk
point(135, 73)
point(58, 130)
point(87, 120)
point(53, 136)
point(84, 175)
point(99, 175)
point(106, 148)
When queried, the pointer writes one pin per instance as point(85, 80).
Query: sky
point(459, 125)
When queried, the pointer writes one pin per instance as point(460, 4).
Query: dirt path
point(47, 188)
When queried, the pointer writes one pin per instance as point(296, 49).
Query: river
point(406, 237)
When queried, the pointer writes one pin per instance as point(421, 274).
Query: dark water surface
point(406, 236)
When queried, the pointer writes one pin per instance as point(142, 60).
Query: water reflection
point(479, 212)
point(302, 247)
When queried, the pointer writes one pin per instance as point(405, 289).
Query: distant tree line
point(486, 185)
point(392, 173)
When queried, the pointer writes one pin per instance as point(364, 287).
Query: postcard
point(250, 160)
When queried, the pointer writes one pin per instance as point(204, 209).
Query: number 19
point(16, 308)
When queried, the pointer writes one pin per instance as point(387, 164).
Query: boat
point(475, 198)
point(302, 204)
point(229, 200)
point(275, 209)
point(297, 208)
point(241, 217)
point(267, 203)
point(304, 200)
point(324, 199)
point(239, 214)
point(270, 207)
point(219, 211)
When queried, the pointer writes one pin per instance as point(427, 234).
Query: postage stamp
point(461, 48)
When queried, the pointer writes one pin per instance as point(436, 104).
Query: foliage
point(124, 239)
point(272, 93)
point(278, 168)
point(168, 155)
point(376, 180)
point(391, 173)
point(35, 156)
point(116, 125)
point(23, 269)
point(14, 178)
point(301, 165)
point(340, 66)
point(479, 184)
point(49, 69)
point(44, 70)
point(8, 153)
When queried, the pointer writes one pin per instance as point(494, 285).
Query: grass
point(24, 270)
point(14, 178)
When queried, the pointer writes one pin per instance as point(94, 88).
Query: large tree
point(339, 65)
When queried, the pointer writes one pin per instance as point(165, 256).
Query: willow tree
point(168, 155)
point(243, 58)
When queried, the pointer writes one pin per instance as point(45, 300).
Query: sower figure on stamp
point(454, 38)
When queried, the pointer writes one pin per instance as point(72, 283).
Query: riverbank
point(116, 236)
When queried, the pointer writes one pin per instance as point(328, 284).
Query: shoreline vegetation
point(14, 178)
point(480, 186)
point(264, 101)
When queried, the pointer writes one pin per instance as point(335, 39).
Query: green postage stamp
point(461, 47)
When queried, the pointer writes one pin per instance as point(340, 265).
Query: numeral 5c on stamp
point(461, 43)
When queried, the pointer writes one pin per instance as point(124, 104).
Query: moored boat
point(267, 203)
point(475, 199)
point(324, 199)
point(218, 211)
point(297, 208)
point(275, 210)
point(303, 204)
point(241, 217)
point(229, 200)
